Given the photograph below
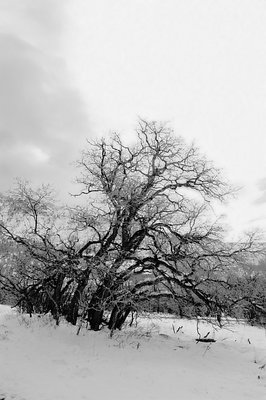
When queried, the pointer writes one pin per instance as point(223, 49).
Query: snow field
point(39, 361)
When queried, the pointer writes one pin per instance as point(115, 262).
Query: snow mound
point(157, 359)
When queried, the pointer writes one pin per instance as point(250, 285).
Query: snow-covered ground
point(154, 360)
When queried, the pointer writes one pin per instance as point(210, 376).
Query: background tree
point(38, 254)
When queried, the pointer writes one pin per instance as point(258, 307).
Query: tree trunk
point(95, 309)
point(95, 318)
point(118, 317)
point(113, 318)
point(72, 309)
point(56, 300)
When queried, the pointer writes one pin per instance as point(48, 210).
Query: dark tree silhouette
point(144, 232)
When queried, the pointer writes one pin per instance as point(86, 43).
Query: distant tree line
point(141, 238)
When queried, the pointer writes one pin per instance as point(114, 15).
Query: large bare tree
point(148, 223)
point(144, 231)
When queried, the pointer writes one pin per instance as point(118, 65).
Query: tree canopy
point(144, 232)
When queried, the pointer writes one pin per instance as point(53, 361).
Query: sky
point(77, 69)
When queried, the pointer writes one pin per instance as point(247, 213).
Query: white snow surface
point(40, 361)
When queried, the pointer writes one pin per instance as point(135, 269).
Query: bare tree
point(39, 262)
point(144, 233)
point(147, 217)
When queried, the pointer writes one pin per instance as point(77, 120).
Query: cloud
point(48, 14)
point(43, 120)
point(261, 186)
point(37, 20)
point(34, 154)
point(260, 218)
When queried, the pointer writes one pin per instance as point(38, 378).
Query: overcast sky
point(79, 68)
